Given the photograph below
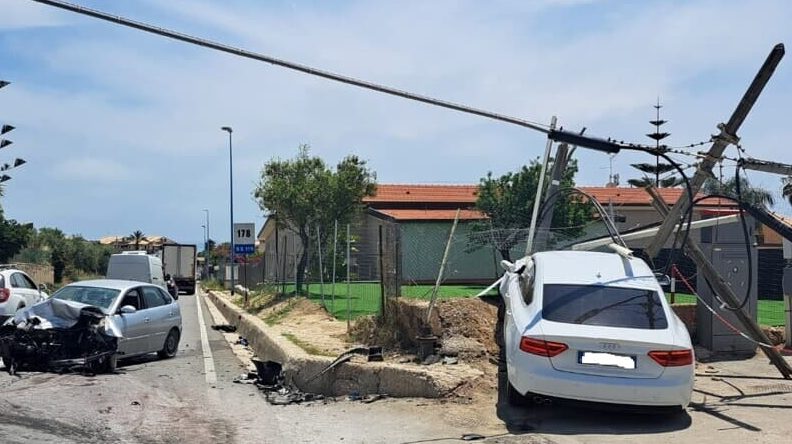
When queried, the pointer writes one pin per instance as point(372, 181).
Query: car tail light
point(672, 358)
point(4, 294)
point(541, 347)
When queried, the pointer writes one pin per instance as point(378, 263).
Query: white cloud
point(19, 14)
point(96, 171)
point(98, 91)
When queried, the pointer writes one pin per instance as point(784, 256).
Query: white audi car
point(593, 327)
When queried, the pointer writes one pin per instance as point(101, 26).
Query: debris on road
point(268, 377)
point(58, 335)
point(242, 341)
point(224, 328)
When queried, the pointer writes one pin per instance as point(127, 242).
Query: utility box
point(724, 246)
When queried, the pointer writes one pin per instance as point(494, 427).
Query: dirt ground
point(466, 332)
point(465, 328)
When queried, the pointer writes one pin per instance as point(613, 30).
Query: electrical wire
point(613, 232)
point(543, 128)
point(687, 219)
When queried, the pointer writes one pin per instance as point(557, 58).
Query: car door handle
point(146, 320)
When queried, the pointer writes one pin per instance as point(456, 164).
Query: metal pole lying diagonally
point(728, 135)
point(539, 189)
point(726, 293)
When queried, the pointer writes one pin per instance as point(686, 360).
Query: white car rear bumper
point(535, 374)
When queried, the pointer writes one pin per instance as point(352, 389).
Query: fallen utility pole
point(725, 292)
point(766, 166)
point(727, 136)
point(442, 268)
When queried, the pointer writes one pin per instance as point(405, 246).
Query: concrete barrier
point(300, 368)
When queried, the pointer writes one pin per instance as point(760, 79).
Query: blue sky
point(121, 129)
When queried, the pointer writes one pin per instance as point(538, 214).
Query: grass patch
point(768, 313)
point(364, 298)
point(277, 317)
point(213, 284)
point(306, 346)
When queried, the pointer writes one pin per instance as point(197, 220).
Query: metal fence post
point(381, 273)
point(321, 270)
point(348, 283)
point(335, 255)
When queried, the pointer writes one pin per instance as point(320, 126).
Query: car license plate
point(607, 359)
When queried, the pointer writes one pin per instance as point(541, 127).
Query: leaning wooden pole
point(442, 268)
point(726, 293)
point(727, 136)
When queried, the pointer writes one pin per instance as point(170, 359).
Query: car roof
point(10, 269)
point(116, 284)
point(591, 267)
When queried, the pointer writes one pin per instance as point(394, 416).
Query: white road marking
point(209, 367)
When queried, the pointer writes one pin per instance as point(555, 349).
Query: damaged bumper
point(68, 337)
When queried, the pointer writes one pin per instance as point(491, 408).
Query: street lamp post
point(231, 253)
point(206, 258)
point(206, 244)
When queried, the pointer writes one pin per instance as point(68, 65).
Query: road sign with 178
point(244, 238)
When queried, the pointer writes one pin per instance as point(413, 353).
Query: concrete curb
point(398, 380)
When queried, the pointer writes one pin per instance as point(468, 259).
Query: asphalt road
point(192, 399)
point(163, 401)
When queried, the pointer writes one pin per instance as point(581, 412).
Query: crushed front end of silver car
point(59, 336)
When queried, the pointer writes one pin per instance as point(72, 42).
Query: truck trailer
point(178, 260)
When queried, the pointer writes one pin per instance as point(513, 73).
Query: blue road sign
point(244, 249)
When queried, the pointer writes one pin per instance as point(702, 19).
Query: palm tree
point(138, 237)
point(787, 190)
point(751, 195)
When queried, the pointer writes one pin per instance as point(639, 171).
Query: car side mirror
point(43, 287)
point(127, 309)
point(663, 279)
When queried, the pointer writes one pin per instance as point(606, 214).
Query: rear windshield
point(133, 271)
point(604, 306)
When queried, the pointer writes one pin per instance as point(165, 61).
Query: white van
point(136, 266)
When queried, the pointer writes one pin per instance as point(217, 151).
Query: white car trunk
point(608, 351)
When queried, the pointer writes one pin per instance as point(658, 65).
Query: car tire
point(171, 345)
point(110, 363)
point(500, 339)
point(513, 397)
point(106, 364)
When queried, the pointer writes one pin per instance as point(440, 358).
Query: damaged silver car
point(90, 325)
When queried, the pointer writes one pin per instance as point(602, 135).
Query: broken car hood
point(59, 313)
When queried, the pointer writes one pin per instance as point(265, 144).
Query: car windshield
point(603, 306)
point(97, 296)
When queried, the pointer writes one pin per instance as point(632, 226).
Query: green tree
point(13, 237)
point(651, 171)
point(61, 250)
point(303, 193)
point(752, 195)
point(508, 203)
